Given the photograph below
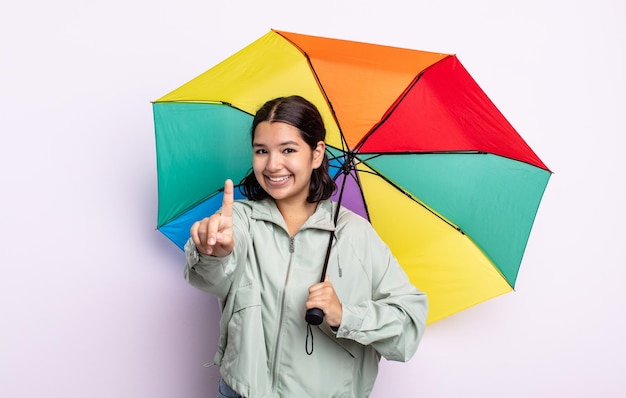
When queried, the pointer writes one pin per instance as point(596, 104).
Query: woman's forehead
point(276, 133)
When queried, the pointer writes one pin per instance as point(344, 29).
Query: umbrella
point(416, 144)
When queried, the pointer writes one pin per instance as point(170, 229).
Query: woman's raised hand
point(214, 235)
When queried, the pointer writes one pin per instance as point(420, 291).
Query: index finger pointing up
point(227, 201)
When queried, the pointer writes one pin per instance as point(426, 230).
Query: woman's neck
point(295, 214)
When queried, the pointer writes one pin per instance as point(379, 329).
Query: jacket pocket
point(242, 358)
point(247, 295)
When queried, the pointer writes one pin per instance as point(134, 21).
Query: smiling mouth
point(278, 179)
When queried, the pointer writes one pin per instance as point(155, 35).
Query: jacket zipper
point(280, 316)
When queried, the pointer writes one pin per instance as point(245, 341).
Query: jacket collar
point(266, 210)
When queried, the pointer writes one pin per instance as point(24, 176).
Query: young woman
point(262, 257)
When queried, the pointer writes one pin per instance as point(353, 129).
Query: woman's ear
point(318, 154)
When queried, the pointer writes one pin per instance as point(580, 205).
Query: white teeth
point(278, 179)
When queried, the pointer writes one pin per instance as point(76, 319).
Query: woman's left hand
point(323, 296)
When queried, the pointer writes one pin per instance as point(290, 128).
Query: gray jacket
point(263, 286)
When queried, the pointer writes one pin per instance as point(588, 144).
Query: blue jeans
point(224, 390)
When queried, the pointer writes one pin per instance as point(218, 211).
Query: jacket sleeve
point(207, 273)
point(393, 321)
point(211, 274)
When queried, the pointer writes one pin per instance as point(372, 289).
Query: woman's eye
point(289, 150)
point(260, 151)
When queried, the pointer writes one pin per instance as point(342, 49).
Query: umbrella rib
point(321, 87)
point(389, 112)
point(209, 101)
point(351, 160)
point(394, 106)
point(357, 180)
point(373, 171)
point(346, 168)
point(419, 202)
point(451, 152)
point(350, 165)
point(448, 152)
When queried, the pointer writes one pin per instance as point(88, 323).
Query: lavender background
point(92, 299)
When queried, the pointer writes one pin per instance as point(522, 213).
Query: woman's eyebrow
point(290, 142)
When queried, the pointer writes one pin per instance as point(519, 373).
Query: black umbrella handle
point(315, 316)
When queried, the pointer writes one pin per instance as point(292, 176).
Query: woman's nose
point(273, 162)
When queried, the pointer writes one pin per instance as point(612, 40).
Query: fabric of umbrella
point(424, 154)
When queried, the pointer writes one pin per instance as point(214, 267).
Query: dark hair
point(304, 116)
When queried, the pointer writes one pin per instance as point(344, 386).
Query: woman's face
point(283, 162)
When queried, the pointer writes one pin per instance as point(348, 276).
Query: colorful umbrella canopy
point(443, 177)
